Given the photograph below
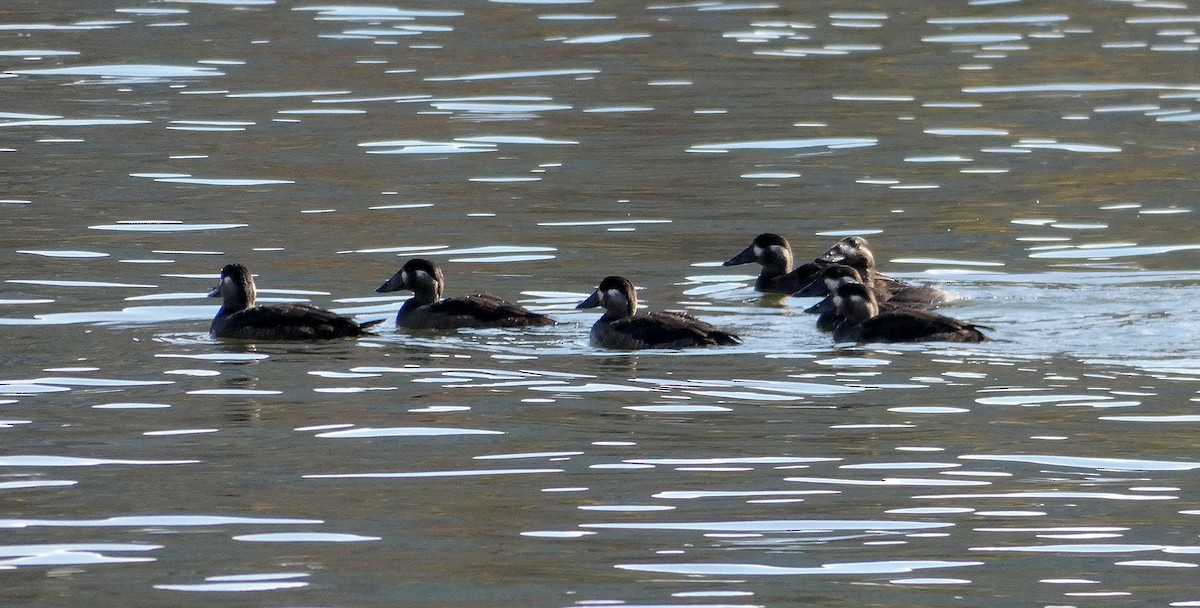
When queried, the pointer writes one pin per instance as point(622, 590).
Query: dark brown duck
point(864, 322)
point(774, 254)
point(854, 251)
point(239, 317)
point(622, 327)
point(427, 309)
point(834, 276)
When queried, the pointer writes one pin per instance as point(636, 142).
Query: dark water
point(1037, 159)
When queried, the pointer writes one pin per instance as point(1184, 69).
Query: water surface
point(1036, 160)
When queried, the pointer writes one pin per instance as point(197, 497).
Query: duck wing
point(914, 325)
point(673, 330)
point(918, 295)
point(286, 322)
point(488, 309)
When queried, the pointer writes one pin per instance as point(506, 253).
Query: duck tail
point(725, 338)
point(371, 323)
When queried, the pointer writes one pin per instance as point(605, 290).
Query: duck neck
point(866, 270)
point(867, 309)
point(776, 266)
point(236, 300)
point(619, 310)
point(424, 294)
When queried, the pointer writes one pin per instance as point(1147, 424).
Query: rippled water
point(1038, 160)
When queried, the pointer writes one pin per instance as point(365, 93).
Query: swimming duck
point(854, 251)
point(864, 322)
point(428, 310)
point(834, 276)
point(239, 318)
point(775, 255)
point(621, 328)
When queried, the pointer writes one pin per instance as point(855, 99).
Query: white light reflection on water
point(153, 521)
point(1098, 463)
point(423, 474)
point(305, 537)
point(795, 525)
point(71, 461)
point(125, 71)
point(844, 568)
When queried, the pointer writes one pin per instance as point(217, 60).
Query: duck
point(832, 277)
point(855, 251)
point(239, 318)
point(864, 322)
point(775, 255)
point(427, 309)
point(622, 327)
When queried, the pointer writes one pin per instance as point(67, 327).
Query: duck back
point(481, 310)
point(829, 319)
point(286, 322)
point(658, 330)
point(790, 282)
point(909, 325)
point(925, 296)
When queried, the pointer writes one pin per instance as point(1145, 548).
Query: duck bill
point(215, 293)
point(835, 254)
point(815, 289)
point(592, 301)
point(745, 257)
point(395, 283)
point(824, 306)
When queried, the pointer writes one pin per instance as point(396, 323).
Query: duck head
point(852, 251)
point(616, 295)
point(855, 303)
point(418, 275)
point(770, 250)
point(236, 289)
point(829, 280)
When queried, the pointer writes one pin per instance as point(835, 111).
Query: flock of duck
point(859, 305)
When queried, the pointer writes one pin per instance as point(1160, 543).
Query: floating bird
point(239, 318)
point(428, 310)
point(854, 251)
point(864, 322)
point(775, 255)
point(832, 277)
point(620, 328)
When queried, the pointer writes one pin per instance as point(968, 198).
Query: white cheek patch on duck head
point(781, 254)
point(423, 276)
point(834, 282)
point(614, 295)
